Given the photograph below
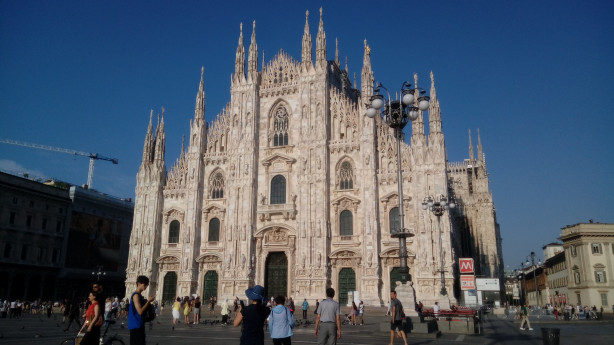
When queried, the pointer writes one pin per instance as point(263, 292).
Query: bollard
point(550, 336)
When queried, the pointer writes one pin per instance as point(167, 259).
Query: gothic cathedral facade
point(292, 187)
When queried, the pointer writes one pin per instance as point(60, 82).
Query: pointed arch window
point(214, 230)
point(393, 220)
point(346, 223)
point(217, 186)
point(173, 232)
point(278, 190)
point(346, 176)
point(280, 127)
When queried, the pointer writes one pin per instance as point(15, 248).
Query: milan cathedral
point(292, 187)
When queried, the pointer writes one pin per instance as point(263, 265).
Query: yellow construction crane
point(92, 156)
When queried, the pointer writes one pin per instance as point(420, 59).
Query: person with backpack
point(398, 314)
point(281, 323)
point(138, 305)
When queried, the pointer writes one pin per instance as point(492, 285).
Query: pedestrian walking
point(281, 322)
point(197, 310)
point(108, 305)
point(65, 310)
point(328, 320)
point(73, 314)
point(524, 313)
point(93, 321)
point(315, 311)
point(4, 308)
point(211, 305)
point(388, 311)
point(252, 317)
point(353, 312)
point(187, 307)
point(305, 308)
point(225, 312)
point(361, 312)
point(138, 304)
point(176, 308)
point(396, 323)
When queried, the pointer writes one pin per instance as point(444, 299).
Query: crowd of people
point(562, 312)
point(16, 308)
point(275, 315)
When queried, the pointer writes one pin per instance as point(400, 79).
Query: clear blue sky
point(537, 78)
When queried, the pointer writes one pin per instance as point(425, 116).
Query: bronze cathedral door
point(347, 283)
point(276, 275)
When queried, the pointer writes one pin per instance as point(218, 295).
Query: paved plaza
point(38, 329)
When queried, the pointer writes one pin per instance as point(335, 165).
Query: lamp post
point(438, 205)
point(518, 275)
point(537, 299)
point(396, 114)
point(99, 272)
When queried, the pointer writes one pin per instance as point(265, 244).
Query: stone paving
point(38, 329)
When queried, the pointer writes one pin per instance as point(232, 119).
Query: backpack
point(149, 314)
point(291, 320)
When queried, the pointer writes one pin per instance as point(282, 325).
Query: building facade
point(34, 221)
point(55, 240)
point(557, 274)
point(294, 188)
point(589, 258)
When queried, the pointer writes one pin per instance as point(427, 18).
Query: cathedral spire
point(148, 146)
point(418, 125)
point(480, 152)
point(252, 64)
point(321, 44)
point(434, 110)
point(470, 147)
point(240, 58)
point(182, 145)
point(367, 79)
point(337, 51)
point(199, 110)
point(306, 52)
point(160, 140)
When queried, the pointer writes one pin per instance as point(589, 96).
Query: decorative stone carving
point(276, 236)
point(174, 214)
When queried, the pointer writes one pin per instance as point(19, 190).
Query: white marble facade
point(303, 121)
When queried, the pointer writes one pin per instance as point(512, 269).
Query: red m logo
point(466, 265)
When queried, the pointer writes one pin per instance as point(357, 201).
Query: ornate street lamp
point(396, 114)
point(519, 276)
point(438, 205)
point(99, 273)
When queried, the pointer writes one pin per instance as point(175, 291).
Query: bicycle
point(104, 340)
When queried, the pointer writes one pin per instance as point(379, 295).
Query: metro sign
point(466, 265)
point(467, 282)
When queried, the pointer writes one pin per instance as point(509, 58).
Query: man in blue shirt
point(138, 304)
point(305, 307)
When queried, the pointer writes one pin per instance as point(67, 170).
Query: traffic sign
point(466, 265)
point(467, 282)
